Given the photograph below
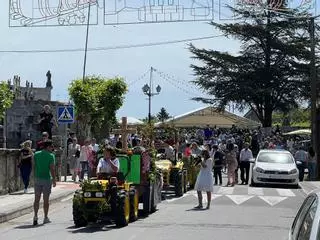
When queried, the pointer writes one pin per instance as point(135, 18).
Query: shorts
point(42, 187)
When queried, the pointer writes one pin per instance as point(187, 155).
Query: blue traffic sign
point(65, 114)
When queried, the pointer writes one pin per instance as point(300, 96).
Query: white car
point(275, 167)
point(306, 223)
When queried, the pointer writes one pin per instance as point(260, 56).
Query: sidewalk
point(309, 186)
point(17, 204)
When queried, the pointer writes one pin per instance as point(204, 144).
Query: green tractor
point(174, 175)
point(117, 197)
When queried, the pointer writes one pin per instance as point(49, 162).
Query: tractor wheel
point(134, 205)
point(78, 214)
point(123, 209)
point(179, 185)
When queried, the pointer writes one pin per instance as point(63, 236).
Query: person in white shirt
point(109, 164)
point(245, 156)
point(94, 145)
point(169, 152)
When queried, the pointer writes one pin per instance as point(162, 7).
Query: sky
point(171, 60)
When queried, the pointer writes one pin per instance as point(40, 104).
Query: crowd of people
point(220, 149)
point(233, 150)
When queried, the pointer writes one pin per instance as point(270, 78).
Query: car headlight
point(293, 171)
point(87, 194)
point(99, 194)
point(259, 170)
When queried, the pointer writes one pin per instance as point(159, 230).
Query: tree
point(96, 101)
point(163, 115)
point(299, 117)
point(6, 98)
point(269, 73)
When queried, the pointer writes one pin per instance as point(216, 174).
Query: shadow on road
point(92, 228)
point(28, 226)
point(196, 209)
point(17, 193)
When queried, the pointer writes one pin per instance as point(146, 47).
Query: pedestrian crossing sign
point(65, 114)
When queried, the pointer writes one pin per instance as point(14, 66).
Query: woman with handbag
point(73, 159)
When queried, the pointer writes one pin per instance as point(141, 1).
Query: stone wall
point(10, 180)
point(22, 121)
point(38, 93)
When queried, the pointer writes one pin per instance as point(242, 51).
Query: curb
point(7, 216)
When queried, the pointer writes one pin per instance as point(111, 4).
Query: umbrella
point(299, 132)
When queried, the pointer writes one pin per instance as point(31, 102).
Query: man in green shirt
point(44, 171)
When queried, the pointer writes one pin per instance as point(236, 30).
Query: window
point(306, 226)
point(275, 157)
point(301, 215)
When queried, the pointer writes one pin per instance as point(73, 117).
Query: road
point(241, 213)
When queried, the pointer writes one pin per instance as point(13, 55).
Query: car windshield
point(275, 157)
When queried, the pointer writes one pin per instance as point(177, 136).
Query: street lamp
point(147, 90)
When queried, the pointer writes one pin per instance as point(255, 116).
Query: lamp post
point(86, 43)
point(148, 90)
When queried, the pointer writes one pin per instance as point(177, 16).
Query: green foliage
point(163, 115)
point(96, 101)
point(148, 132)
point(298, 117)
point(153, 168)
point(87, 185)
point(270, 72)
point(6, 98)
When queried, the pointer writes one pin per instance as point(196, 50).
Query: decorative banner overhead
point(35, 13)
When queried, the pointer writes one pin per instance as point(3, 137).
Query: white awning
point(131, 121)
point(299, 132)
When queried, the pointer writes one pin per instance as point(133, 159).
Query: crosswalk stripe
point(255, 191)
point(272, 200)
point(285, 192)
point(239, 199)
point(225, 190)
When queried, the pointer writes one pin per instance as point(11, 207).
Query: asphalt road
point(241, 213)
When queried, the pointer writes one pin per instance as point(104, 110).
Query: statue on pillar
point(49, 83)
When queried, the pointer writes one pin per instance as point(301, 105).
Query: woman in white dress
point(204, 181)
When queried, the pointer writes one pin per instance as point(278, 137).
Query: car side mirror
point(252, 160)
point(298, 163)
